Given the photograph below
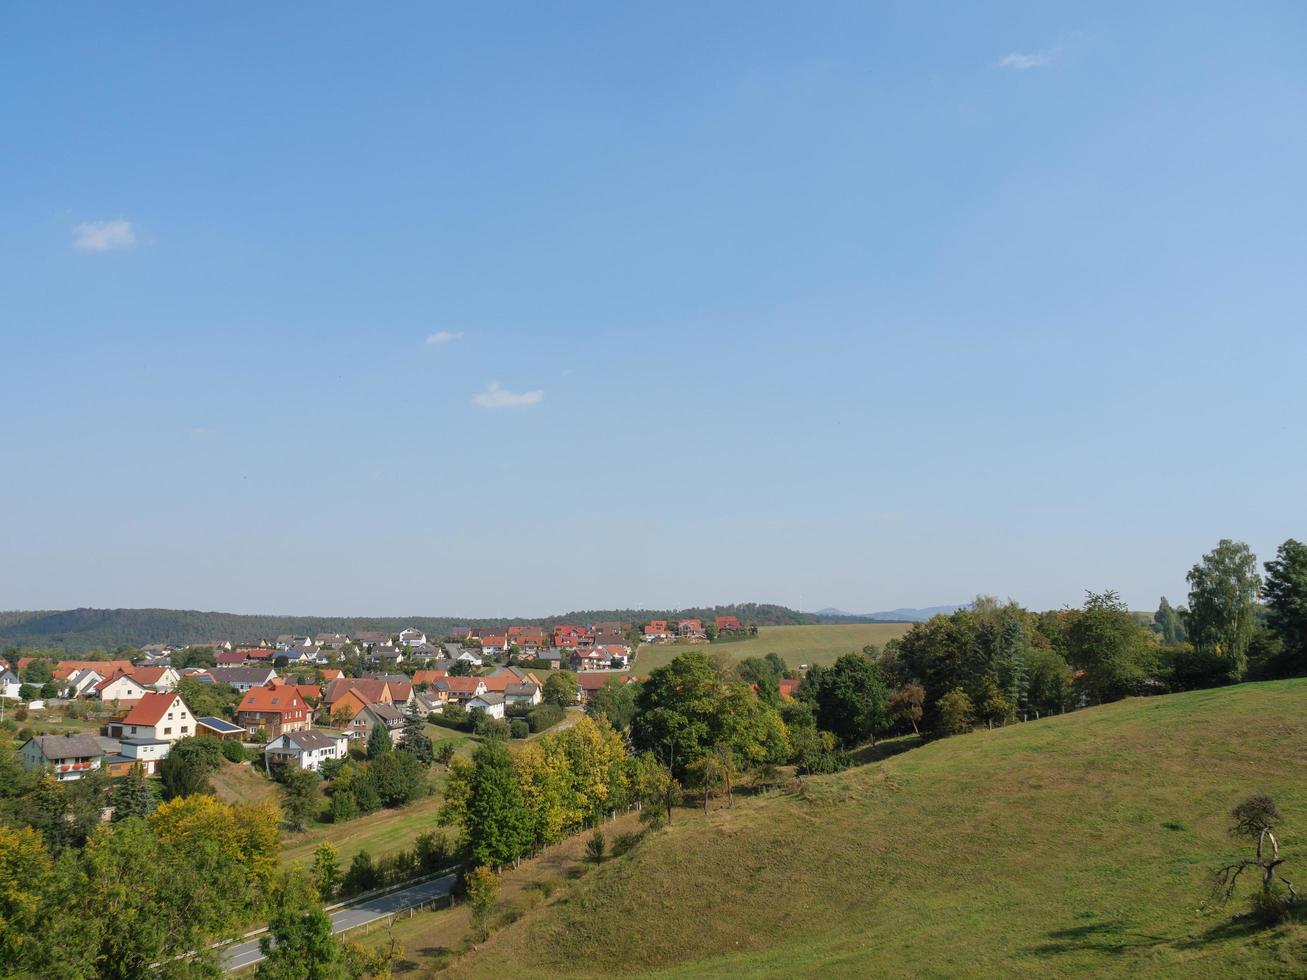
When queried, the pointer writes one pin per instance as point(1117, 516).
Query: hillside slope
point(1077, 844)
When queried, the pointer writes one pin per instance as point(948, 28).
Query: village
point(304, 700)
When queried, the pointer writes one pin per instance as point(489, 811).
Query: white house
point(490, 702)
point(82, 682)
point(468, 657)
point(161, 679)
point(123, 688)
point(156, 716)
point(145, 752)
point(412, 636)
point(308, 750)
point(524, 693)
point(9, 683)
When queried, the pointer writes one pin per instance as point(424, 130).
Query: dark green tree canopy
point(1223, 591)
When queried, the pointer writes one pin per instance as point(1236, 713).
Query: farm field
point(796, 644)
point(1076, 845)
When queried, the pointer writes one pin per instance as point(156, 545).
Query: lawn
point(1078, 844)
point(796, 644)
point(385, 831)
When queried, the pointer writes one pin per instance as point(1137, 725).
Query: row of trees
point(509, 803)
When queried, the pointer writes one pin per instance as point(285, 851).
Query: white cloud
point(496, 397)
point(442, 337)
point(1018, 61)
point(104, 236)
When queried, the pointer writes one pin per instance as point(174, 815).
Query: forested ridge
point(89, 629)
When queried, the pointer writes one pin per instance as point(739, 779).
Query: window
point(167, 731)
point(185, 729)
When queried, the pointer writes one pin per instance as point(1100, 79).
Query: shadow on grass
point(1101, 937)
point(885, 749)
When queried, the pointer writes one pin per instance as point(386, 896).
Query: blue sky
point(514, 309)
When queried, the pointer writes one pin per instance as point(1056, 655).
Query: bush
point(233, 751)
point(488, 727)
point(595, 847)
point(454, 716)
point(432, 852)
point(544, 716)
point(362, 876)
point(518, 728)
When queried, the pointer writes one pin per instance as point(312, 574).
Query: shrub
point(233, 751)
point(595, 847)
point(519, 728)
point(544, 716)
point(362, 875)
point(488, 727)
point(432, 851)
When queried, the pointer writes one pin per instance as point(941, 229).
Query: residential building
point(728, 624)
point(490, 702)
point(412, 636)
point(589, 684)
point(307, 749)
point(523, 692)
point(371, 637)
point(80, 683)
point(494, 643)
point(68, 756)
point(121, 688)
point(273, 711)
point(164, 717)
point(361, 725)
point(244, 679)
point(161, 679)
point(9, 683)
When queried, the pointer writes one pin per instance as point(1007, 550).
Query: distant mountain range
point(893, 615)
point(108, 629)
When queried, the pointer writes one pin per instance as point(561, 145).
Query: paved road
point(248, 953)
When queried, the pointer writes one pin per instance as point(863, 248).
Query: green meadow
point(1079, 844)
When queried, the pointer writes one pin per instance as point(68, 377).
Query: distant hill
point(1079, 845)
point(89, 629)
point(892, 615)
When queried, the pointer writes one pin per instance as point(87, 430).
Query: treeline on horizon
point(82, 630)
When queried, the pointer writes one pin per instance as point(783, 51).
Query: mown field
point(1079, 844)
point(796, 644)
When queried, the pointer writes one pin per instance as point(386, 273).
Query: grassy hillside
point(797, 644)
point(1077, 844)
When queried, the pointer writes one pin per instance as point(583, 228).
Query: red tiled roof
point(789, 686)
point(105, 668)
point(150, 709)
point(369, 690)
point(428, 676)
point(277, 700)
point(145, 676)
point(595, 681)
point(463, 685)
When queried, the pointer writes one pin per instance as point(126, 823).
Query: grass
point(385, 831)
point(1078, 844)
point(796, 644)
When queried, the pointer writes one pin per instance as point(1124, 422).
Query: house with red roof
point(159, 679)
point(657, 631)
point(158, 717)
point(789, 687)
point(728, 624)
point(587, 685)
point(122, 688)
point(569, 637)
point(273, 711)
point(229, 658)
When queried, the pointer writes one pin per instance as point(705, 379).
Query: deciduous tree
point(1223, 591)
